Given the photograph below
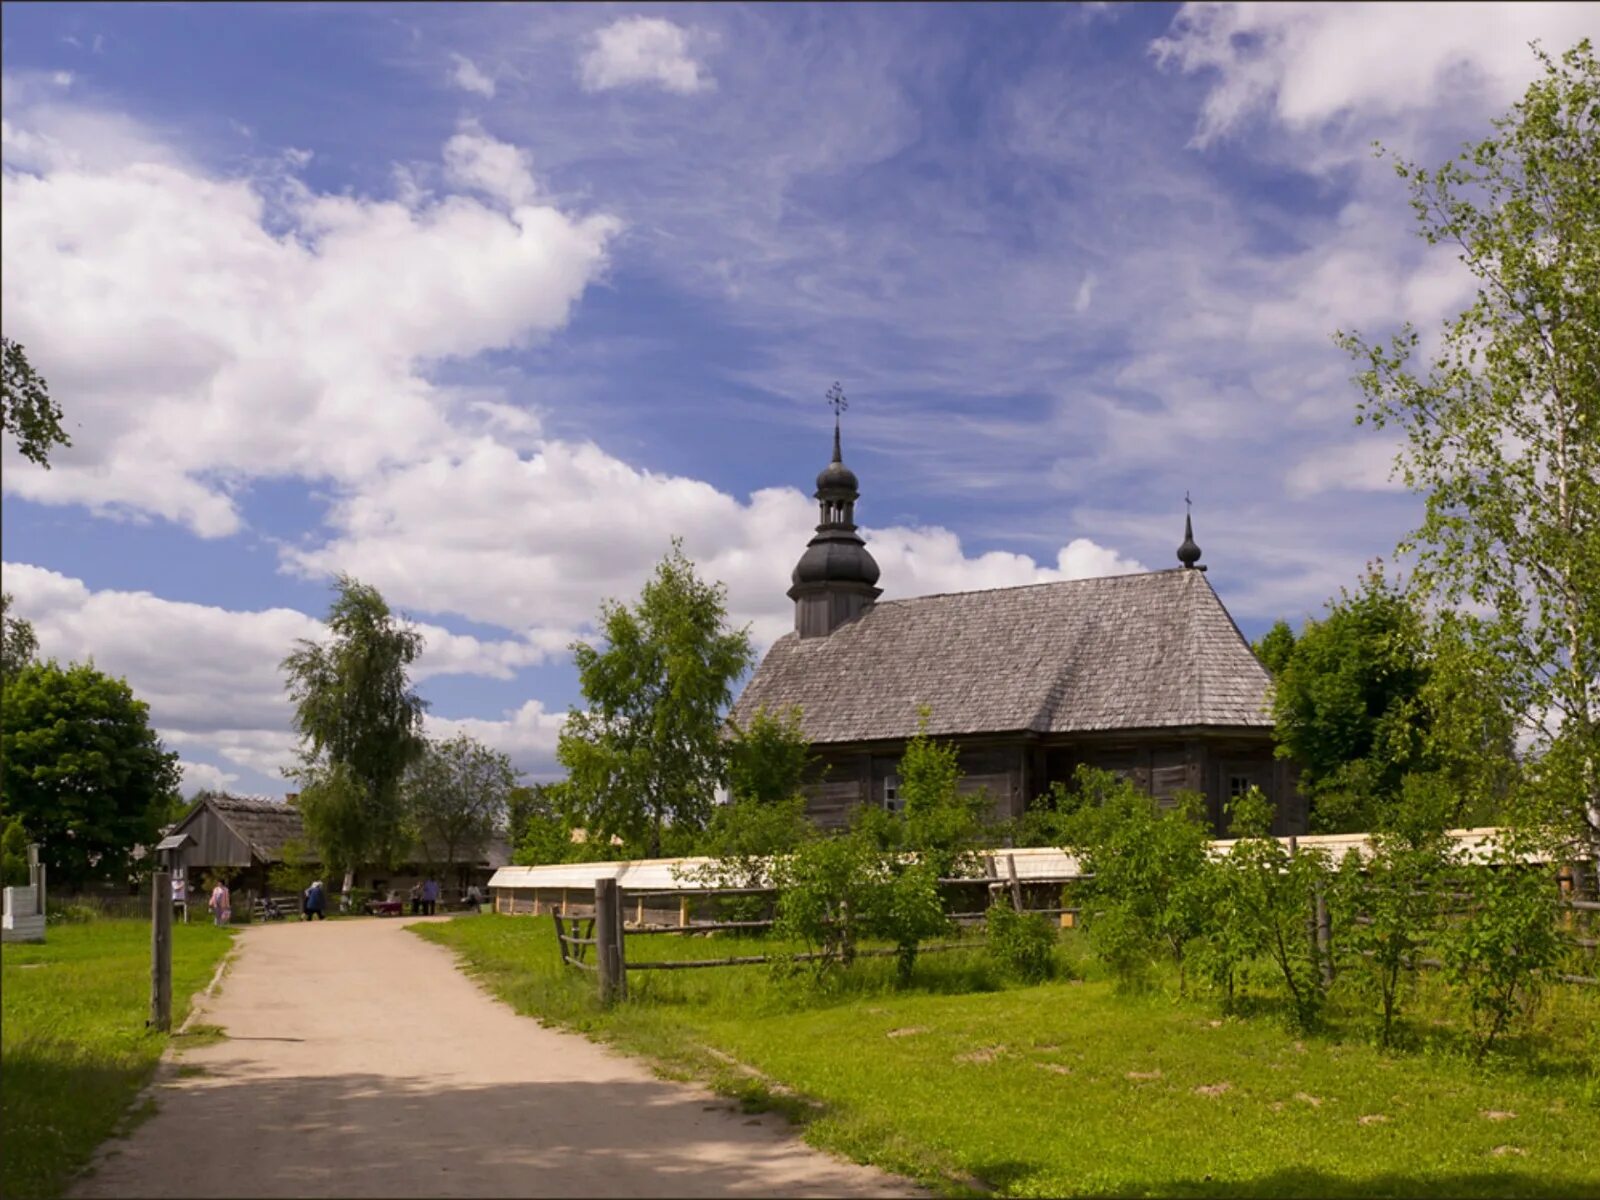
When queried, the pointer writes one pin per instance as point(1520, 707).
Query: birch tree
point(1501, 429)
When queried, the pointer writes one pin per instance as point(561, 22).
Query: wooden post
point(36, 877)
point(1324, 939)
point(683, 910)
point(620, 944)
point(561, 945)
point(605, 937)
point(1016, 884)
point(161, 951)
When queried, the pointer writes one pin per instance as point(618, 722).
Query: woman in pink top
point(221, 903)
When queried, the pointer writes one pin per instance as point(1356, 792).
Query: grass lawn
point(74, 1051)
point(1073, 1088)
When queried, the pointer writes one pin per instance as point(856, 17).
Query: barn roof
point(1121, 652)
point(264, 825)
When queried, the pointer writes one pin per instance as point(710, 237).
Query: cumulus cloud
point(207, 776)
point(1310, 63)
point(211, 675)
point(642, 51)
point(212, 331)
point(527, 735)
point(433, 534)
point(469, 77)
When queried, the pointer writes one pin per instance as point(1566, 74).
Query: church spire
point(1189, 551)
point(834, 579)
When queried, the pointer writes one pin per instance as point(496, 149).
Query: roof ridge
point(1022, 587)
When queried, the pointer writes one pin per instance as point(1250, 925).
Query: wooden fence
point(607, 928)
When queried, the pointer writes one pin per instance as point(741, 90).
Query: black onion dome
point(836, 561)
point(1189, 551)
point(836, 477)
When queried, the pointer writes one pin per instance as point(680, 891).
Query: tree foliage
point(1275, 647)
point(360, 727)
point(1145, 897)
point(83, 770)
point(27, 412)
point(769, 758)
point(457, 793)
point(1501, 430)
point(1347, 705)
point(647, 752)
point(1495, 953)
point(18, 644)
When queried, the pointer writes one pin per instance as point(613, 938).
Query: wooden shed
point(246, 834)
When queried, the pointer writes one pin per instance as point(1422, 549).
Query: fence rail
point(606, 930)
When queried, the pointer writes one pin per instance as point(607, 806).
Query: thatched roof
point(264, 825)
point(1147, 651)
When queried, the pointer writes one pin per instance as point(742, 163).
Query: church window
point(891, 794)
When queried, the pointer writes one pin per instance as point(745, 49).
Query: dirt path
point(359, 1062)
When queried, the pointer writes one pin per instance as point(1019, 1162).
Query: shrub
point(1276, 894)
point(1386, 909)
point(1146, 865)
point(1508, 936)
point(1021, 944)
point(70, 914)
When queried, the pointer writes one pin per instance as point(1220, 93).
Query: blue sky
point(484, 304)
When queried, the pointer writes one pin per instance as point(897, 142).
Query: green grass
point(1075, 1088)
point(74, 1051)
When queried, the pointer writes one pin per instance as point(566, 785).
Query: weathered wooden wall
point(1017, 770)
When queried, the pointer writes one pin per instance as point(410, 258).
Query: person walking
point(316, 902)
point(221, 904)
point(416, 899)
point(474, 898)
point(180, 897)
point(430, 896)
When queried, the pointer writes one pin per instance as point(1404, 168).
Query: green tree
point(647, 752)
point(526, 803)
point(1275, 892)
point(457, 793)
point(26, 411)
point(1387, 907)
point(1146, 864)
point(13, 854)
point(768, 759)
point(18, 645)
point(360, 727)
point(1275, 647)
point(1501, 430)
point(1347, 705)
point(83, 770)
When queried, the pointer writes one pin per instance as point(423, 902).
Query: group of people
point(314, 900)
point(424, 897)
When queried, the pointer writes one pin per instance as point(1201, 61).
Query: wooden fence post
point(620, 946)
point(1324, 938)
point(606, 924)
point(161, 951)
point(1016, 884)
point(561, 942)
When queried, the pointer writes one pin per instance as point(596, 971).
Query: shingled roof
point(265, 825)
point(1122, 652)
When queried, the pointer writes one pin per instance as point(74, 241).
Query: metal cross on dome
point(836, 400)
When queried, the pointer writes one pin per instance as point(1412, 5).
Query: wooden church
point(1145, 675)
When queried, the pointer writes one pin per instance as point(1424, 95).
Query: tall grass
point(74, 1050)
point(1075, 1087)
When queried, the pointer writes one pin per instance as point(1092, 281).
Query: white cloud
point(1311, 63)
point(636, 51)
point(201, 775)
point(472, 159)
point(434, 535)
point(214, 331)
point(211, 675)
point(1364, 465)
point(469, 77)
point(527, 735)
